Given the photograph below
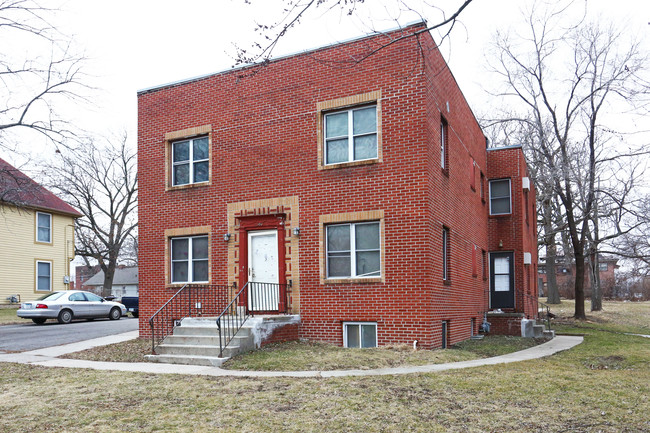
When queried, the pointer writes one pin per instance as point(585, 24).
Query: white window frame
point(49, 241)
point(443, 143)
point(445, 254)
point(602, 265)
point(345, 333)
point(49, 263)
point(191, 161)
point(509, 196)
point(353, 251)
point(190, 259)
point(350, 135)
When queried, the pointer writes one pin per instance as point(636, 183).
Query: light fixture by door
point(226, 237)
point(296, 231)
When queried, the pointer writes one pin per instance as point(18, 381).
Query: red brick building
point(364, 190)
point(565, 277)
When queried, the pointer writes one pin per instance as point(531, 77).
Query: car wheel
point(65, 316)
point(135, 314)
point(115, 314)
point(39, 320)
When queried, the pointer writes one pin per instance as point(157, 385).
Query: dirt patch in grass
point(305, 356)
point(127, 351)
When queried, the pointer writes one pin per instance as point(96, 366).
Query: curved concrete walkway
point(48, 357)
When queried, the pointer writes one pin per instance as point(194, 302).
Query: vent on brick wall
point(525, 183)
point(528, 259)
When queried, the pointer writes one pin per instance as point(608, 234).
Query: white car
point(68, 305)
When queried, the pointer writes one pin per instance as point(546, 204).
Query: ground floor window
point(359, 334)
point(189, 259)
point(44, 276)
point(353, 250)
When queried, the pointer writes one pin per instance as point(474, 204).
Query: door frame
point(263, 223)
point(494, 255)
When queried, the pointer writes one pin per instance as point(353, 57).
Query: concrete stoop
point(530, 328)
point(196, 342)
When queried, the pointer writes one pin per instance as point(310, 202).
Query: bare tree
point(102, 183)
point(33, 85)
point(567, 79)
point(294, 11)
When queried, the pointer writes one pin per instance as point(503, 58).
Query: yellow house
point(36, 238)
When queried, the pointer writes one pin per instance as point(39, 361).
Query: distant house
point(83, 273)
point(565, 277)
point(36, 238)
point(125, 282)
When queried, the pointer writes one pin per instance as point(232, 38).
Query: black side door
point(502, 280)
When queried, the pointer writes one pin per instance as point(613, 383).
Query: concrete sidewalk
point(48, 358)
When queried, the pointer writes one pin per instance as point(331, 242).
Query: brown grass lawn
point(602, 385)
point(8, 316)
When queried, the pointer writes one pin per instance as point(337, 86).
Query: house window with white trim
point(359, 335)
point(189, 259)
point(43, 227)
point(350, 135)
point(190, 161)
point(353, 250)
point(43, 276)
point(500, 197)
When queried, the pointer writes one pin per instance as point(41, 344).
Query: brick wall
point(283, 333)
point(264, 127)
point(514, 232)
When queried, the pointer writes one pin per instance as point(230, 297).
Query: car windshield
point(51, 296)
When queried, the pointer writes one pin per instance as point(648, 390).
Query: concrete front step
point(196, 350)
point(538, 331)
point(549, 334)
point(196, 342)
point(209, 361)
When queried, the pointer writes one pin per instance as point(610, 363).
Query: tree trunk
point(552, 292)
point(580, 286)
point(109, 274)
point(596, 290)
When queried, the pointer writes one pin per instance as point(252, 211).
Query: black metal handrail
point(535, 300)
point(231, 319)
point(188, 301)
point(253, 297)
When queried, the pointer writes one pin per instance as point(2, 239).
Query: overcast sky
point(132, 45)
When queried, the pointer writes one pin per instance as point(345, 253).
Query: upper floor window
point(351, 135)
point(500, 197)
point(602, 266)
point(353, 250)
point(43, 227)
point(190, 161)
point(189, 259)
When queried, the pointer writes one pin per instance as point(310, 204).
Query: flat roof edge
point(283, 57)
point(513, 146)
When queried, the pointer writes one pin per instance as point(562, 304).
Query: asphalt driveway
point(29, 336)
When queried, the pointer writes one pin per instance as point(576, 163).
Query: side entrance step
point(196, 342)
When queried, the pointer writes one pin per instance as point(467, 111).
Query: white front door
point(263, 274)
